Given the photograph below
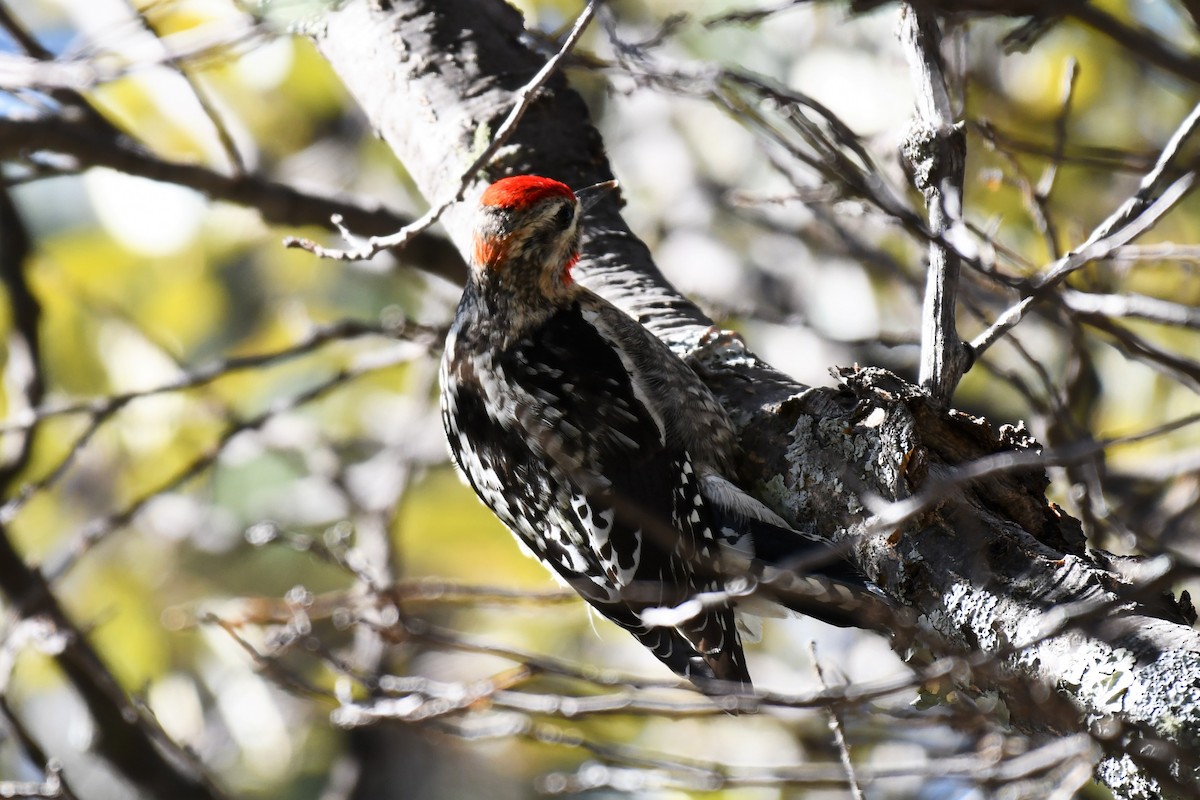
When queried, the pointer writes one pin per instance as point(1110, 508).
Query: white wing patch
point(597, 523)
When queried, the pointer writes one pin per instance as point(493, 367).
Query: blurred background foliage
point(141, 500)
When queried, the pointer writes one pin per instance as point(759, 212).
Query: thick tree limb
point(523, 97)
point(994, 568)
point(436, 79)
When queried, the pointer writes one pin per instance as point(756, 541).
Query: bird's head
point(526, 235)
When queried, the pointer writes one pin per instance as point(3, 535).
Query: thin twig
point(1178, 367)
point(104, 408)
point(1050, 174)
point(1133, 306)
point(835, 725)
point(889, 515)
point(78, 75)
point(1147, 46)
point(1155, 196)
point(699, 775)
point(1156, 181)
point(100, 527)
point(424, 591)
point(277, 203)
point(203, 98)
point(524, 98)
point(212, 371)
point(1111, 160)
point(1093, 250)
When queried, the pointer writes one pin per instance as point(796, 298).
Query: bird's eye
point(564, 216)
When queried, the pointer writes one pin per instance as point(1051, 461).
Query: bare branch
point(42, 73)
point(935, 147)
point(278, 203)
point(97, 529)
point(839, 737)
point(1135, 306)
point(215, 370)
point(524, 97)
point(1112, 236)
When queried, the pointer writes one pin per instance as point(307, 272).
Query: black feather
point(584, 475)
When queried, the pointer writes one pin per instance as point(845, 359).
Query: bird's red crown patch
point(522, 191)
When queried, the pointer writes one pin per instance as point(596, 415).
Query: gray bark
point(936, 148)
point(990, 565)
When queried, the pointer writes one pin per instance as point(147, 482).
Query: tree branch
point(985, 566)
point(133, 744)
point(278, 203)
point(522, 99)
point(471, 64)
point(936, 149)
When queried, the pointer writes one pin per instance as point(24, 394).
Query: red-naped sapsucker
point(599, 448)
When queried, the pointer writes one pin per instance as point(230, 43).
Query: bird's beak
point(590, 195)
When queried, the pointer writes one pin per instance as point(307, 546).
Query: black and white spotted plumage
point(595, 444)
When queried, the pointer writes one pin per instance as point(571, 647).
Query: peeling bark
point(991, 566)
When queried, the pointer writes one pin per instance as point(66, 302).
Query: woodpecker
point(599, 448)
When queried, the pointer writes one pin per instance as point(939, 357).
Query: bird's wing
point(633, 494)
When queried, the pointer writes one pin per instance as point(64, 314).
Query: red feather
point(488, 251)
point(568, 278)
point(523, 191)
